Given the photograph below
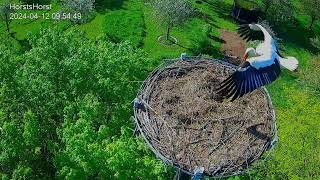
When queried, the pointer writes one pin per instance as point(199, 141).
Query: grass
point(295, 95)
point(22, 27)
point(97, 22)
point(297, 101)
point(153, 31)
point(248, 4)
point(126, 24)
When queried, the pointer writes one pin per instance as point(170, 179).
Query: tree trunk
point(168, 33)
point(7, 22)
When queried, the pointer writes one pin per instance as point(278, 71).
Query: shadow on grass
point(182, 46)
point(102, 5)
point(221, 8)
point(208, 19)
point(204, 46)
point(217, 39)
point(25, 45)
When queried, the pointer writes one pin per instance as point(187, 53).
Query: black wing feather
point(247, 78)
point(248, 34)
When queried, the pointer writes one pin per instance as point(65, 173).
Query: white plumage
point(267, 51)
point(262, 65)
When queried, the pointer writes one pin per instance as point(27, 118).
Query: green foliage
point(315, 42)
point(136, 161)
point(202, 44)
point(311, 8)
point(63, 105)
point(36, 1)
point(280, 11)
point(5, 12)
point(83, 7)
point(246, 4)
point(172, 12)
point(125, 25)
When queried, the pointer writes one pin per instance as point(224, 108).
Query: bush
point(125, 25)
point(280, 11)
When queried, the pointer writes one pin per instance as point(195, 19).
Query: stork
point(261, 66)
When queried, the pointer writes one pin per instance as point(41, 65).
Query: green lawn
point(297, 101)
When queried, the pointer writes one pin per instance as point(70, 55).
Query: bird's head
point(250, 52)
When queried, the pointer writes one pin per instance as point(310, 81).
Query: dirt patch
point(233, 47)
point(189, 124)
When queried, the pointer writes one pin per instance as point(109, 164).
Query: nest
point(186, 124)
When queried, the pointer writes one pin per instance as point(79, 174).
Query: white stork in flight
point(261, 67)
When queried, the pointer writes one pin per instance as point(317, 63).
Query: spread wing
point(247, 78)
point(248, 34)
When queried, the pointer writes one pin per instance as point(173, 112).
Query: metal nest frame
point(140, 125)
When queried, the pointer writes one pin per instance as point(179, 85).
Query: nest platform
point(187, 125)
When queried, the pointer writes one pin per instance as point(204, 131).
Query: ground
point(233, 46)
point(295, 95)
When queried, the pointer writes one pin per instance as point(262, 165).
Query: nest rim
point(139, 127)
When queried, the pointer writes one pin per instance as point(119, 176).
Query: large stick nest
point(188, 125)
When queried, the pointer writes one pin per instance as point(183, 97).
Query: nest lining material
point(188, 125)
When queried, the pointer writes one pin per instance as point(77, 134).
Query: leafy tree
point(278, 10)
point(172, 12)
point(84, 7)
point(312, 9)
point(5, 12)
point(281, 11)
point(65, 108)
point(267, 4)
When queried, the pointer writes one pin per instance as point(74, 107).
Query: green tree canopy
point(5, 12)
point(65, 109)
point(173, 12)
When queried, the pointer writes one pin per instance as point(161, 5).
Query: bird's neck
point(267, 37)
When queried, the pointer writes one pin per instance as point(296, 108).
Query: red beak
point(245, 57)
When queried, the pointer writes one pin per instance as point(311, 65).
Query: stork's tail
point(290, 63)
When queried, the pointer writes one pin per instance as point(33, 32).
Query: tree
point(65, 108)
point(173, 12)
point(83, 7)
point(5, 12)
point(36, 1)
point(312, 9)
point(278, 10)
point(267, 4)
